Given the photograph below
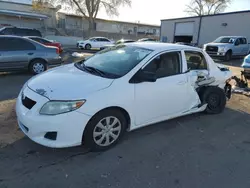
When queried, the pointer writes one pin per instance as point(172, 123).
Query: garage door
point(184, 29)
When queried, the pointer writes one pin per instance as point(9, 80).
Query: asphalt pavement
point(197, 151)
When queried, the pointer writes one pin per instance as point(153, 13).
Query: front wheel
point(104, 130)
point(87, 46)
point(228, 56)
point(215, 98)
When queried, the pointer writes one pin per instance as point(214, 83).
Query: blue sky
point(162, 9)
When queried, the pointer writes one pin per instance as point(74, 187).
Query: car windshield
point(116, 61)
point(224, 40)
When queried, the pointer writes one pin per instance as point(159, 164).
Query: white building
point(204, 29)
point(21, 13)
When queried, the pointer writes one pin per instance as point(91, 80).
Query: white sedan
point(94, 42)
point(94, 102)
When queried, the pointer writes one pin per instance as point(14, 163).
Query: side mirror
point(143, 76)
point(236, 44)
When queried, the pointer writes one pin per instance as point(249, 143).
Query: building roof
point(161, 46)
point(115, 21)
point(23, 14)
point(220, 14)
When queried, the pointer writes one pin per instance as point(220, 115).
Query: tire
point(87, 46)
point(98, 126)
point(228, 56)
point(215, 98)
point(37, 66)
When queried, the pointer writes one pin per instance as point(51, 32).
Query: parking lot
point(195, 151)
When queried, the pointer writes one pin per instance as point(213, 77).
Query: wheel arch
point(122, 110)
point(230, 50)
point(35, 59)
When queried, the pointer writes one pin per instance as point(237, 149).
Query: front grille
point(212, 48)
point(27, 102)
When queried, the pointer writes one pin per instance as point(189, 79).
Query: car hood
point(67, 83)
point(217, 44)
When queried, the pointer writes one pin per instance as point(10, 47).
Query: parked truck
point(226, 47)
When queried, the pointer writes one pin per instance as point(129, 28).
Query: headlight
point(59, 107)
point(222, 49)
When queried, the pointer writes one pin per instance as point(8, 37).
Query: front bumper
point(81, 45)
point(68, 127)
point(216, 54)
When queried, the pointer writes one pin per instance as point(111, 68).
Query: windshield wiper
point(95, 70)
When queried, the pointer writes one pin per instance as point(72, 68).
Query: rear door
point(99, 42)
point(16, 52)
point(244, 46)
point(106, 41)
point(237, 47)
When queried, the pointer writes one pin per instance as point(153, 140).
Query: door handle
point(181, 82)
point(30, 53)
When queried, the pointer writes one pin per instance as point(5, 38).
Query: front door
point(167, 97)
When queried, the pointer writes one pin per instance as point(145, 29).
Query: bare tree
point(207, 7)
point(89, 8)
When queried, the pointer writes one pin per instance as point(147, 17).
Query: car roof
point(10, 36)
point(32, 37)
point(159, 46)
point(232, 36)
point(11, 27)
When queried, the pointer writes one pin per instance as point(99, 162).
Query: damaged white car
point(94, 102)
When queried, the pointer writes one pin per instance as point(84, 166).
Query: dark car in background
point(19, 53)
point(47, 42)
point(20, 31)
point(122, 41)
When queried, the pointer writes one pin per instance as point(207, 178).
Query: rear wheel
point(37, 66)
point(215, 98)
point(104, 130)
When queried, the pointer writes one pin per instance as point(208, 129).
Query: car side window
point(105, 40)
point(16, 44)
point(31, 32)
point(237, 42)
point(195, 60)
point(43, 41)
point(164, 65)
point(8, 31)
point(243, 41)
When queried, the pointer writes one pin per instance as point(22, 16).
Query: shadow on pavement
point(195, 151)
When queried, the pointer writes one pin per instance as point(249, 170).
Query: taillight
point(57, 51)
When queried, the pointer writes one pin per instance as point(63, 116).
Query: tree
point(207, 7)
point(90, 8)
